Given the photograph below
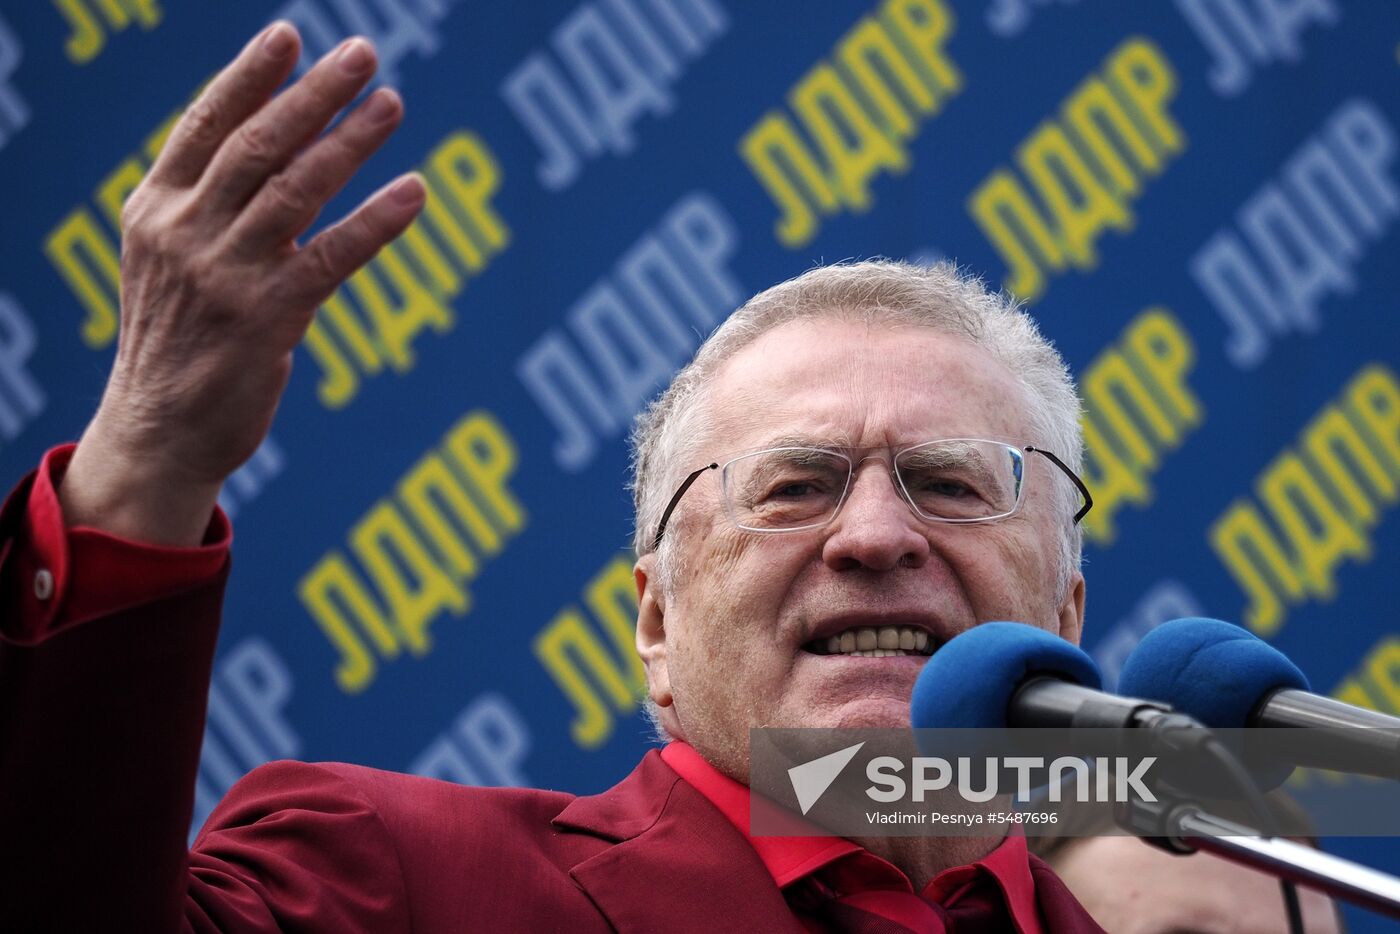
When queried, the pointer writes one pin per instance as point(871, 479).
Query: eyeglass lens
point(794, 487)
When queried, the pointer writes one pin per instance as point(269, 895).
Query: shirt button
point(43, 584)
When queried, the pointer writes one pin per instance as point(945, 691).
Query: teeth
point(879, 653)
point(868, 642)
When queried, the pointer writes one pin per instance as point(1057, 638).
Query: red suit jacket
point(100, 729)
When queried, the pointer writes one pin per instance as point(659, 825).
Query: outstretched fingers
point(336, 252)
point(234, 94)
point(290, 200)
point(268, 139)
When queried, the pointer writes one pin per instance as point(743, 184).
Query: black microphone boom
point(1333, 735)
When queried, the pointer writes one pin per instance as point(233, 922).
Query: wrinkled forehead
point(858, 384)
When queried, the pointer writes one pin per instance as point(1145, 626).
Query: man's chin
point(859, 714)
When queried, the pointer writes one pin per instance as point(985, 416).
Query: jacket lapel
point(677, 864)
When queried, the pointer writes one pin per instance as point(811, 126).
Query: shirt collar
point(788, 859)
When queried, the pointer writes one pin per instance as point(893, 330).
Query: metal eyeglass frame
point(1030, 449)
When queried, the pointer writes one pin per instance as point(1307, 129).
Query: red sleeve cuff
point(53, 577)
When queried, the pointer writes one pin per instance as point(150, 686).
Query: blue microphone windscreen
point(969, 681)
point(1212, 670)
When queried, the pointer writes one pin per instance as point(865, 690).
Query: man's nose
point(875, 529)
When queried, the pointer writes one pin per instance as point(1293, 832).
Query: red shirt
point(993, 892)
point(62, 576)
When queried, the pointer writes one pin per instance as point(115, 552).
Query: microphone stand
point(1179, 826)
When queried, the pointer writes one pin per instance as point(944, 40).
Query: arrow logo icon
point(810, 780)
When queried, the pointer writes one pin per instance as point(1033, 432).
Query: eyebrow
point(843, 443)
point(962, 456)
point(835, 442)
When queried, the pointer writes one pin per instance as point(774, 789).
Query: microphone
point(1227, 677)
point(998, 675)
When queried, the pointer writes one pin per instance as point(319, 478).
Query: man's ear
point(1071, 612)
point(651, 629)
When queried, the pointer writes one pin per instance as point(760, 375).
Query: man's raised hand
point(216, 294)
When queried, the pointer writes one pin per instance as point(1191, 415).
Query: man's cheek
point(1016, 549)
point(723, 553)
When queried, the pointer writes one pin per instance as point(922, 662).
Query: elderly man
point(860, 464)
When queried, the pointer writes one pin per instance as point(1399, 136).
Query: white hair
point(667, 434)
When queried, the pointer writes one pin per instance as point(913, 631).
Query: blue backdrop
point(1198, 199)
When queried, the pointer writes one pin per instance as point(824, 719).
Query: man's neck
point(923, 858)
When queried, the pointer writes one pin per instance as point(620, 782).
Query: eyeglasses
point(958, 480)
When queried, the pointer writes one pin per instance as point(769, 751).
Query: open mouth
point(871, 642)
